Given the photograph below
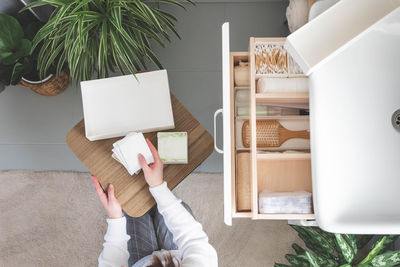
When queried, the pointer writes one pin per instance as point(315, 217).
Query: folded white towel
point(282, 85)
point(285, 202)
point(126, 151)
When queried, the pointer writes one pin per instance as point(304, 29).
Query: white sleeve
point(115, 251)
point(187, 233)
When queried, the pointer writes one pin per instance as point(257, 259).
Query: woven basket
point(53, 86)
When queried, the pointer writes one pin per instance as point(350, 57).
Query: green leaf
point(345, 265)
point(390, 239)
point(374, 252)
point(363, 240)
point(387, 259)
point(352, 241)
point(346, 249)
point(317, 260)
point(23, 50)
point(11, 35)
point(328, 237)
point(315, 241)
point(299, 250)
point(311, 259)
point(94, 36)
point(11, 74)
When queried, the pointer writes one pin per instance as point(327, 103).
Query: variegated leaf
point(297, 260)
point(374, 252)
point(352, 240)
point(314, 241)
point(345, 248)
point(389, 241)
point(317, 260)
point(387, 259)
point(299, 250)
point(311, 259)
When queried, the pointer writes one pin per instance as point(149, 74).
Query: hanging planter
point(50, 86)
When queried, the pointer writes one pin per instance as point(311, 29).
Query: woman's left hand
point(109, 202)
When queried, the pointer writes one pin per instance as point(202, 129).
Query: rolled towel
point(242, 74)
point(298, 202)
point(242, 97)
point(282, 85)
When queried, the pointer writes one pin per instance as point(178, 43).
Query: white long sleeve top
point(193, 247)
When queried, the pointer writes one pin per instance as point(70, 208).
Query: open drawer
point(249, 167)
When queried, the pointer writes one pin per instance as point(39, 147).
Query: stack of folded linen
point(285, 202)
point(127, 149)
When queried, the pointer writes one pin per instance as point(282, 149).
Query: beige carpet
point(55, 219)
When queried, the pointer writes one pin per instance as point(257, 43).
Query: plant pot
point(50, 86)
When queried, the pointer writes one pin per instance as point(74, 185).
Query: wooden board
point(132, 191)
point(243, 181)
point(284, 172)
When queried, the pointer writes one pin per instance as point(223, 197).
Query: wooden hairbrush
point(270, 134)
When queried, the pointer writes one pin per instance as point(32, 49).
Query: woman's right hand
point(152, 173)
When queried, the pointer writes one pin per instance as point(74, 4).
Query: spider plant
point(95, 36)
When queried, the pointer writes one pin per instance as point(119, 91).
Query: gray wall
point(33, 127)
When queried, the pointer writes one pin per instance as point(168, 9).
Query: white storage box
point(299, 202)
point(334, 30)
point(113, 107)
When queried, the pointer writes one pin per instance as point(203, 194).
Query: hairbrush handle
point(286, 134)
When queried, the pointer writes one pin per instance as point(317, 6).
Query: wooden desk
point(132, 191)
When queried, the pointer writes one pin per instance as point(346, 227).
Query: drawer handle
point(219, 111)
point(303, 222)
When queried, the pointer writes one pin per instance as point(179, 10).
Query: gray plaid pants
point(148, 234)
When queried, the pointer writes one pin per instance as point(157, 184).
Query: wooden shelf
point(242, 88)
point(273, 118)
point(283, 156)
point(282, 98)
point(270, 216)
point(241, 214)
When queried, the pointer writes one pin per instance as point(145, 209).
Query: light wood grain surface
point(243, 181)
point(132, 191)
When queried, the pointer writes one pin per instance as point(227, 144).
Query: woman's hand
point(109, 202)
point(153, 173)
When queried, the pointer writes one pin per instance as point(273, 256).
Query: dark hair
point(169, 261)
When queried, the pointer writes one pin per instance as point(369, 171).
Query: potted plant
point(95, 37)
point(18, 60)
point(344, 250)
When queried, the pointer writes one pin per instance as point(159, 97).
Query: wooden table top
point(132, 191)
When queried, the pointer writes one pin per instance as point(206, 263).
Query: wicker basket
point(53, 86)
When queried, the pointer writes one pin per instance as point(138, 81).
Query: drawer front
point(229, 168)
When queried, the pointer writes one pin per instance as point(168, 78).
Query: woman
point(167, 235)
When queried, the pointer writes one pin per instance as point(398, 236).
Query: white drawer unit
point(249, 166)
